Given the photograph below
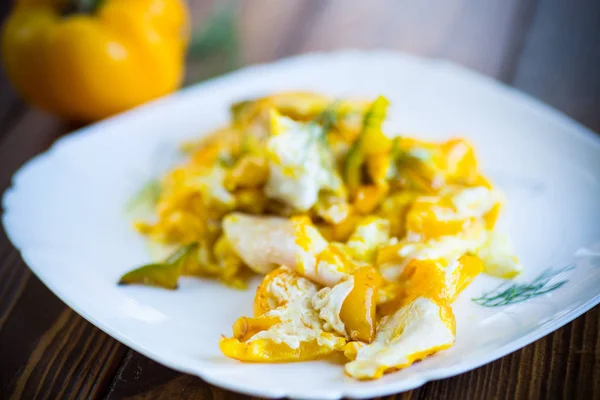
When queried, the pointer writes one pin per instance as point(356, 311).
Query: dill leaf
point(506, 294)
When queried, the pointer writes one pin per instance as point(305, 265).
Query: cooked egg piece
point(265, 242)
point(327, 264)
point(412, 333)
point(432, 217)
point(441, 280)
point(333, 209)
point(288, 328)
point(300, 163)
point(393, 258)
point(498, 256)
point(349, 308)
point(262, 242)
point(370, 233)
point(329, 301)
point(300, 323)
point(279, 287)
point(212, 185)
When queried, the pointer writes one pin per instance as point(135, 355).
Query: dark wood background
point(547, 48)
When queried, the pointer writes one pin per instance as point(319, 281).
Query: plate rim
point(388, 388)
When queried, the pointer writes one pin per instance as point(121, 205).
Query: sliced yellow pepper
point(249, 171)
point(340, 232)
point(359, 307)
point(452, 213)
point(264, 300)
point(368, 197)
point(422, 220)
point(252, 200)
point(371, 141)
point(165, 274)
point(394, 208)
point(264, 350)
point(244, 328)
point(460, 164)
point(440, 280)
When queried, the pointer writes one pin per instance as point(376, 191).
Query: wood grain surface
point(548, 48)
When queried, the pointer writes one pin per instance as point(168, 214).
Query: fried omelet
point(363, 239)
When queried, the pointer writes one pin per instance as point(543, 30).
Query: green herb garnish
point(506, 294)
point(328, 117)
point(371, 129)
point(321, 124)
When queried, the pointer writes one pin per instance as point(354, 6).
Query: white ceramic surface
point(65, 212)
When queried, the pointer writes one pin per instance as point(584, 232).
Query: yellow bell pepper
point(435, 279)
point(268, 351)
point(89, 66)
point(244, 328)
point(371, 141)
point(432, 217)
point(430, 278)
point(368, 197)
point(358, 309)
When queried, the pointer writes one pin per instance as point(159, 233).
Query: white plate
point(65, 212)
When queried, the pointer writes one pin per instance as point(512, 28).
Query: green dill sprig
point(325, 120)
point(506, 294)
point(328, 117)
point(322, 124)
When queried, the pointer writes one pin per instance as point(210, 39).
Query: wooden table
point(547, 48)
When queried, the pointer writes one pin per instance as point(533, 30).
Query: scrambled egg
point(290, 328)
point(415, 331)
point(368, 236)
point(498, 256)
point(300, 165)
point(363, 240)
point(329, 302)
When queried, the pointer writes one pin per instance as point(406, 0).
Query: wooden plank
point(561, 58)
point(14, 276)
point(47, 350)
point(142, 378)
point(31, 133)
point(474, 33)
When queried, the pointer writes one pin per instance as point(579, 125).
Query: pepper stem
point(81, 6)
